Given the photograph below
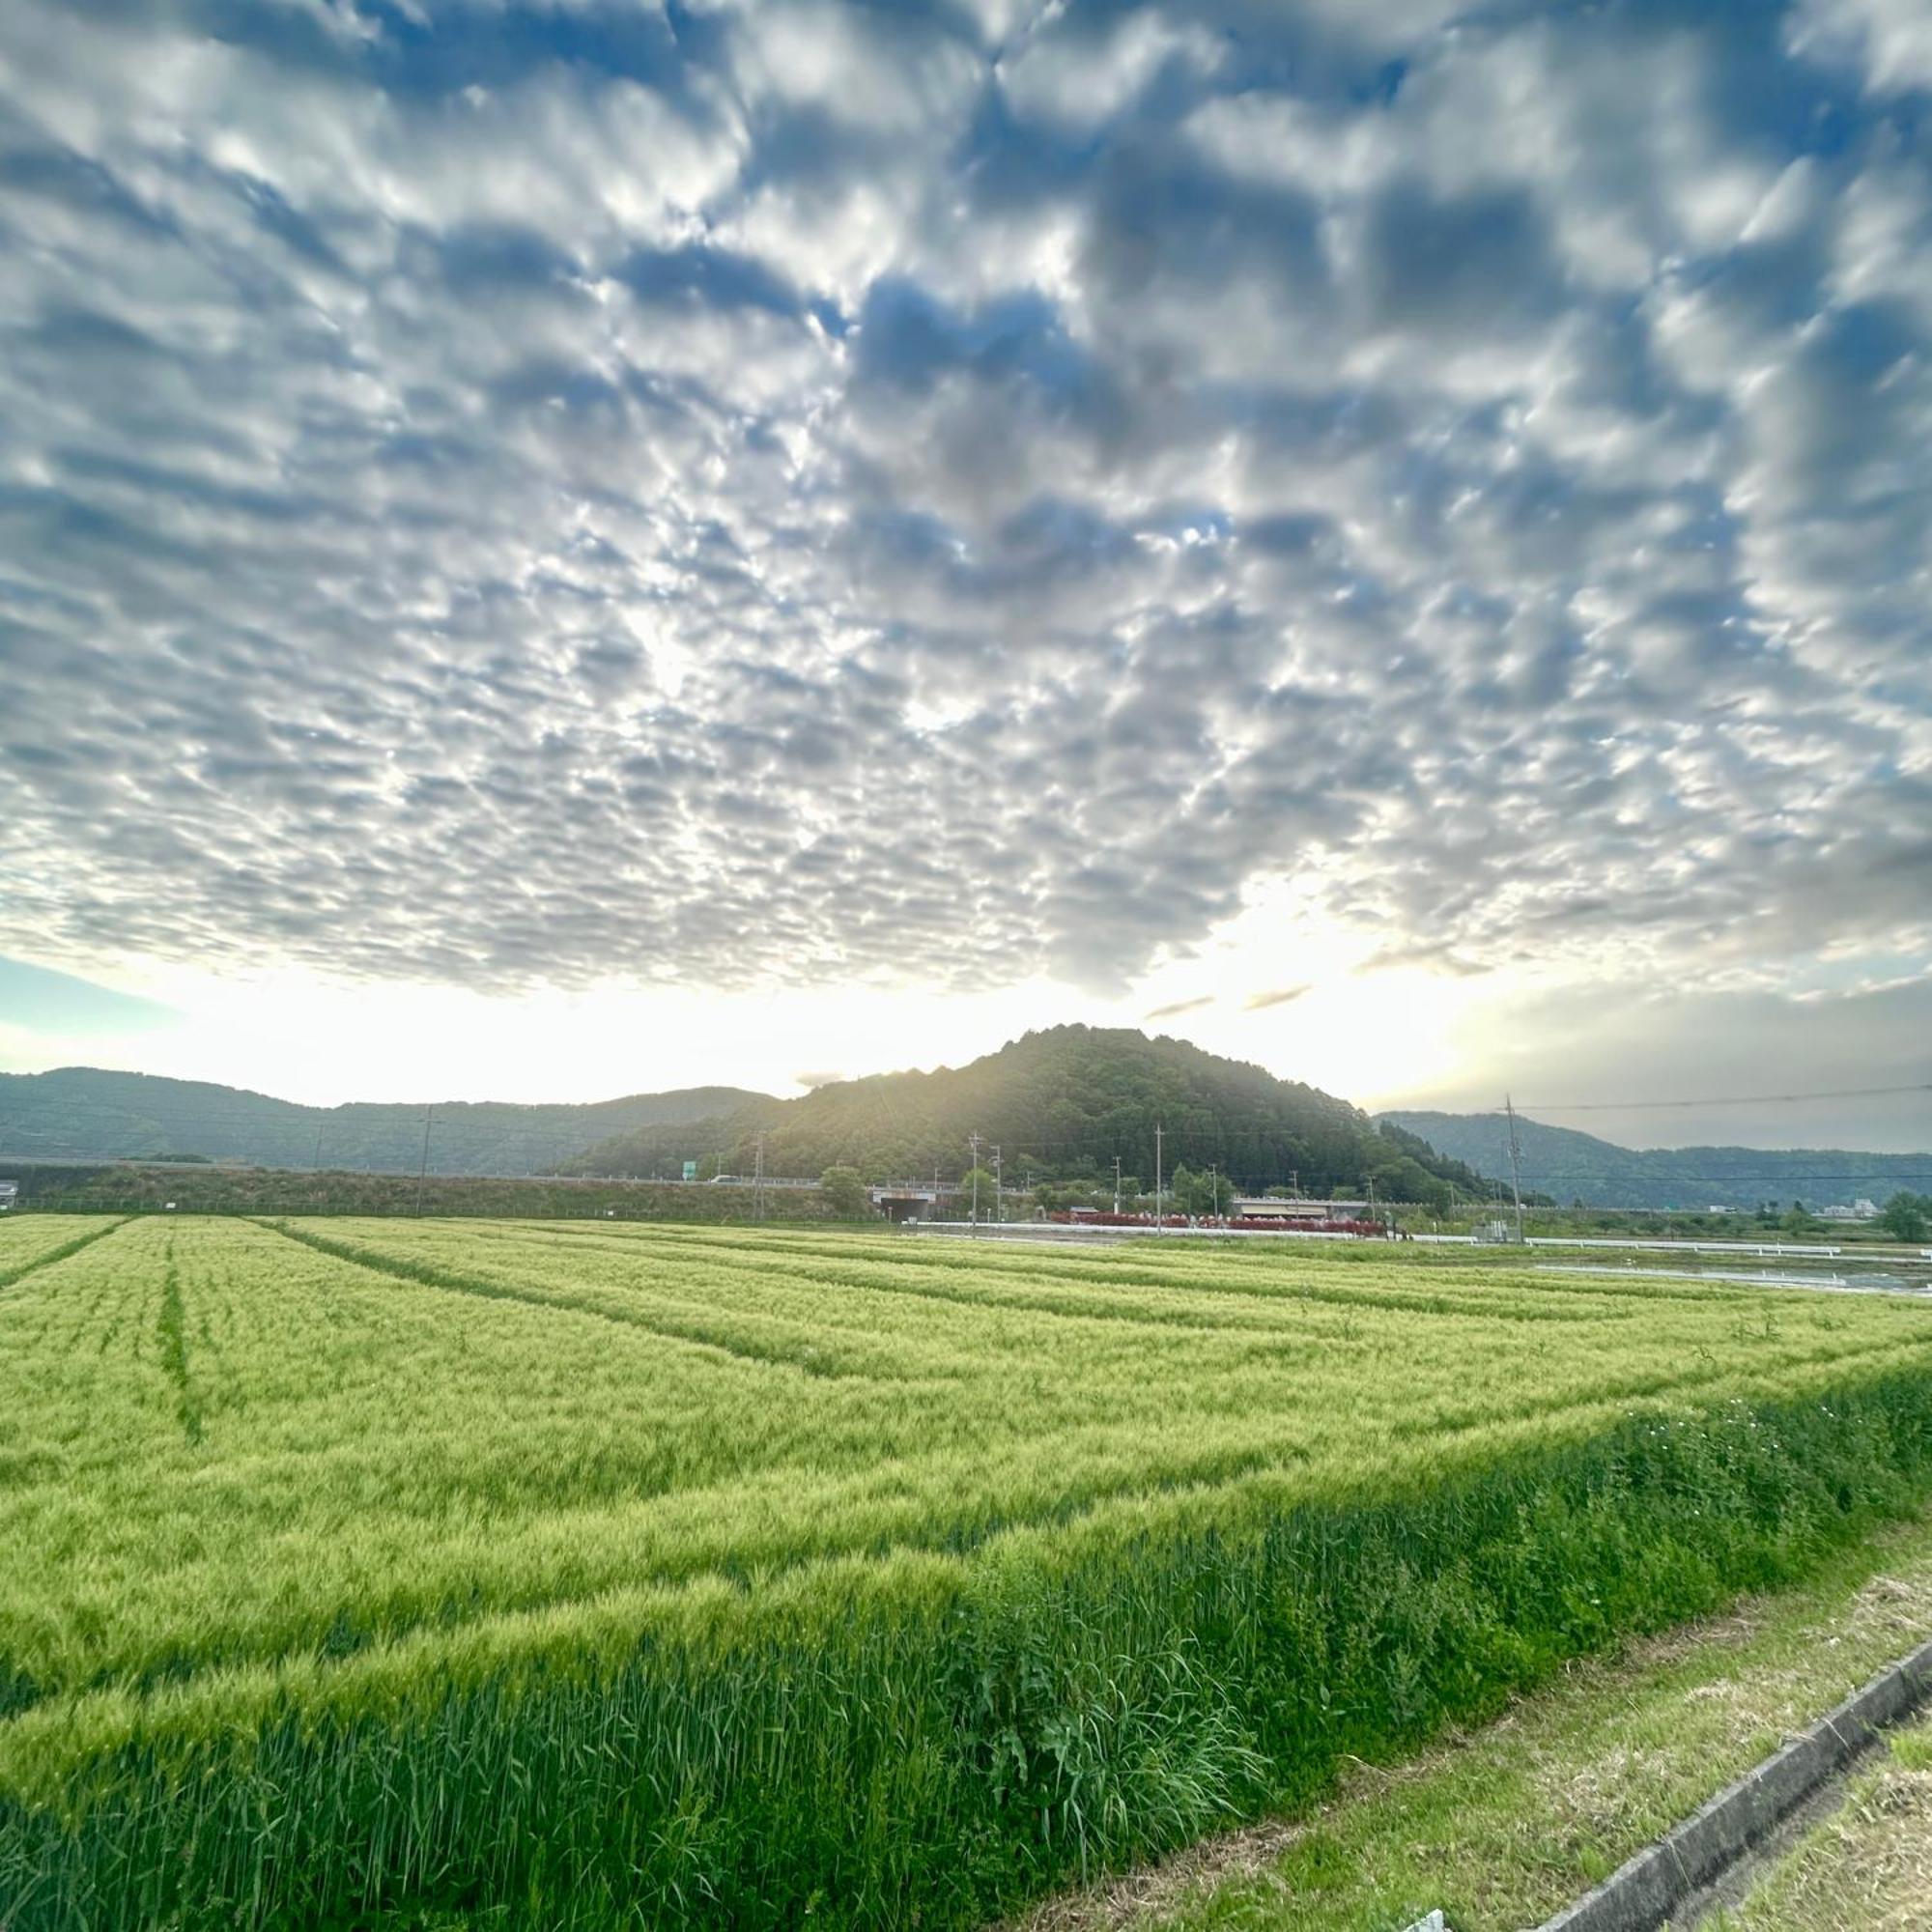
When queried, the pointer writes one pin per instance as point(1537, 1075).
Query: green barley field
point(512, 1574)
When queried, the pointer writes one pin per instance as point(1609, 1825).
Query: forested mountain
point(84, 1113)
point(1063, 1102)
point(1060, 1104)
point(1569, 1166)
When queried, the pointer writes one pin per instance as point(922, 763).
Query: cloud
point(1281, 996)
point(1176, 1008)
point(827, 495)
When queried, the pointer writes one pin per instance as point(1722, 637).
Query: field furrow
point(31, 1242)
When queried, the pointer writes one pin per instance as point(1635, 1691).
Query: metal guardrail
point(1638, 1244)
point(1775, 1248)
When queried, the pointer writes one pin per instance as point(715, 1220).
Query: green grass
point(588, 1576)
point(1867, 1865)
point(1505, 1824)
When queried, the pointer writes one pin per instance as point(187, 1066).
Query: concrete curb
point(1641, 1894)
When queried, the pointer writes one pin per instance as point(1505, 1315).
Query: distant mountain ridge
point(1066, 1099)
point(1570, 1165)
point(1063, 1101)
point(88, 1113)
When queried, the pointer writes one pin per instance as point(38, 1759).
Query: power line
point(1720, 1100)
point(1204, 1142)
point(1515, 1163)
point(423, 1172)
point(371, 1118)
point(1538, 1175)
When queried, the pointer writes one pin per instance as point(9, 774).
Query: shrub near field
point(596, 1577)
point(128, 1187)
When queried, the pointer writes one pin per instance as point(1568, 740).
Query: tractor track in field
point(9, 1276)
point(428, 1274)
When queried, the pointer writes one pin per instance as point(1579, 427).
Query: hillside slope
point(1061, 1103)
point(1570, 1165)
point(85, 1112)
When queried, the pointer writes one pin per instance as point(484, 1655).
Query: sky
point(551, 549)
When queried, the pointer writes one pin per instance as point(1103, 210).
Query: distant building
point(1858, 1210)
point(9, 1192)
point(1271, 1207)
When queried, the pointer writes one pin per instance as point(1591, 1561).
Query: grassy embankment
point(1504, 1824)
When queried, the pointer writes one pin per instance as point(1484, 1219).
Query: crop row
point(602, 1577)
point(460, 1425)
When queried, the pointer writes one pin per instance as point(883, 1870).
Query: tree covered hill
point(86, 1113)
point(1062, 1103)
point(1571, 1166)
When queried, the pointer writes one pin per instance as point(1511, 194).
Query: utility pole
point(1156, 1177)
point(315, 1164)
point(935, 1192)
point(423, 1172)
point(1372, 1196)
point(1516, 1164)
point(973, 1142)
point(999, 1189)
point(759, 1180)
point(1214, 1188)
point(1117, 1183)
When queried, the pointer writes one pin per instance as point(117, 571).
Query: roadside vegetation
point(577, 1576)
point(1504, 1824)
point(130, 1187)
